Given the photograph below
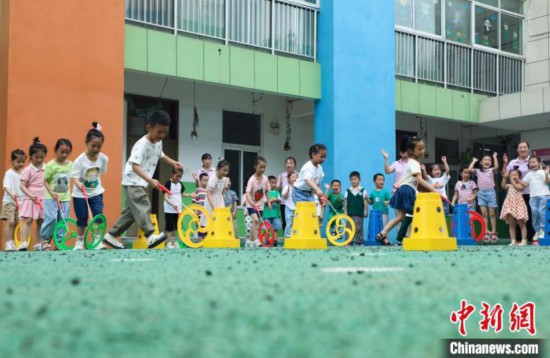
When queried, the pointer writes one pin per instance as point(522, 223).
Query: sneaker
point(172, 246)
point(535, 243)
point(523, 243)
point(249, 244)
point(541, 234)
point(513, 243)
point(257, 243)
point(24, 246)
point(112, 242)
point(101, 247)
point(155, 240)
point(10, 246)
point(494, 238)
point(79, 245)
point(536, 236)
point(43, 246)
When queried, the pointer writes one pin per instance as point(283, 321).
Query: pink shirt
point(465, 190)
point(485, 179)
point(258, 190)
point(399, 169)
point(35, 180)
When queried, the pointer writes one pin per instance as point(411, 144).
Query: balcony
point(423, 58)
point(278, 26)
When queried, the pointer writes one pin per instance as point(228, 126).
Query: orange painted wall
point(66, 69)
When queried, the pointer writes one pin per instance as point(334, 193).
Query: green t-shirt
point(276, 211)
point(59, 178)
point(336, 200)
point(378, 198)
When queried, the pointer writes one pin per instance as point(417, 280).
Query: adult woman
point(522, 164)
point(282, 180)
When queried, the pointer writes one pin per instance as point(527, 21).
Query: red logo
point(491, 317)
point(461, 316)
point(523, 317)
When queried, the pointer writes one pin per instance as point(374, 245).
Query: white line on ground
point(366, 254)
point(131, 260)
point(360, 269)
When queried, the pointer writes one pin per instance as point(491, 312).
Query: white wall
point(211, 101)
point(538, 139)
point(537, 36)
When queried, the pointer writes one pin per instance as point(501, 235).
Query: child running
point(439, 181)
point(32, 185)
point(465, 190)
point(356, 206)
point(172, 208)
point(273, 216)
point(514, 211)
point(380, 198)
point(138, 174)
point(12, 197)
point(57, 179)
point(256, 197)
point(537, 180)
point(86, 174)
point(290, 205)
point(403, 199)
point(487, 196)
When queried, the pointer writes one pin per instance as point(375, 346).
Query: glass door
point(242, 166)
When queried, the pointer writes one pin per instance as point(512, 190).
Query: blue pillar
point(356, 114)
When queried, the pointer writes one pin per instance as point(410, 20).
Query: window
point(489, 2)
point(512, 5)
point(447, 148)
point(486, 27)
point(510, 34)
point(428, 16)
point(457, 21)
point(242, 128)
point(404, 13)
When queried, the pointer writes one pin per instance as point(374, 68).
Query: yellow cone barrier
point(429, 227)
point(141, 241)
point(306, 234)
point(221, 234)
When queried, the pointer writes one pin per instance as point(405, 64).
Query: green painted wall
point(210, 61)
point(434, 101)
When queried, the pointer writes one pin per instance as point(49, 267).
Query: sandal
point(487, 237)
point(494, 238)
point(383, 239)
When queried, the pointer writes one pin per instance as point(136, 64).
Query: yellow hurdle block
point(306, 234)
point(429, 227)
point(141, 241)
point(221, 234)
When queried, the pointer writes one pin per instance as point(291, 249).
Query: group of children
point(41, 192)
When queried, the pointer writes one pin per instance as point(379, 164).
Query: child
point(138, 174)
point(57, 178)
point(231, 201)
point(514, 210)
point(200, 199)
point(311, 175)
point(465, 190)
point(273, 215)
point(487, 196)
point(12, 196)
point(379, 198)
point(207, 167)
point(537, 180)
point(356, 205)
point(32, 185)
point(335, 198)
point(173, 207)
point(86, 175)
point(215, 186)
point(290, 205)
point(403, 199)
point(256, 197)
point(439, 181)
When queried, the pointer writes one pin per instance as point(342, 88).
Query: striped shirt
point(465, 191)
point(485, 178)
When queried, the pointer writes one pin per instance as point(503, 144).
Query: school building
point(270, 77)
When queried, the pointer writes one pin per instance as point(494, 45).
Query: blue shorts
point(487, 197)
point(252, 211)
point(302, 196)
point(81, 209)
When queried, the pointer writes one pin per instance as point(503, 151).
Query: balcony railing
point(453, 65)
point(286, 26)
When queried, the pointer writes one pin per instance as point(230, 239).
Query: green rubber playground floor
point(259, 303)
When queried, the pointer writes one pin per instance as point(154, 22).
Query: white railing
point(287, 26)
point(450, 64)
